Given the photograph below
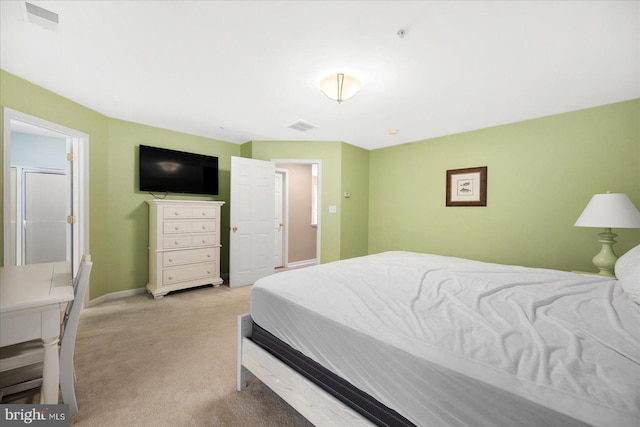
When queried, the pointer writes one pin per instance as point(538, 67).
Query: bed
point(404, 338)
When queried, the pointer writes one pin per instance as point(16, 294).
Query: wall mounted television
point(171, 171)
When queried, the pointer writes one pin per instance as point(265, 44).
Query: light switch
point(333, 209)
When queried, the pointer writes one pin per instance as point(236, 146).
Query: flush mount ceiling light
point(340, 87)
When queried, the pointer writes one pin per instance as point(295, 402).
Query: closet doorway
point(45, 191)
point(297, 214)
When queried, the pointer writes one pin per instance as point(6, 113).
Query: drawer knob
point(170, 259)
point(177, 228)
point(176, 243)
point(176, 213)
point(208, 255)
point(204, 241)
point(170, 277)
point(204, 214)
point(204, 227)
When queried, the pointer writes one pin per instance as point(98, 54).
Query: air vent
point(302, 126)
point(42, 17)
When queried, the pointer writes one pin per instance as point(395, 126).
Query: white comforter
point(565, 341)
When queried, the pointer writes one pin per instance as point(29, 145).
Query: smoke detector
point(41, 17)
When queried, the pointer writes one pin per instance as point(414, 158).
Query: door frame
point(285, 215)
point(317, 162)
point(78, 202)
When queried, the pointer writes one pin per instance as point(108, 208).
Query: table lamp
point(609, 210)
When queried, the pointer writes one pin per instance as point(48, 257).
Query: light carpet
point(169, 362)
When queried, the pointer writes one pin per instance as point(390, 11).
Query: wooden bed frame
point(316, 405)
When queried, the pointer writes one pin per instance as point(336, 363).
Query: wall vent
point(302, 126)
point(41, 17)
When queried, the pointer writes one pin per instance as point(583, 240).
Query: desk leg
point(50, 372)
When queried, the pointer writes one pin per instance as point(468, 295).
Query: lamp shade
point(340, 87)
point(609, 210)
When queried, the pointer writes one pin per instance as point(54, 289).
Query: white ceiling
point(245, 70)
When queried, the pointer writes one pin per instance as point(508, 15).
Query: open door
point(251, 220)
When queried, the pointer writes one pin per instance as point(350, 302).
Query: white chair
point(21, 364)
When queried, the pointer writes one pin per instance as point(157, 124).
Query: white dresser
point(184, 245)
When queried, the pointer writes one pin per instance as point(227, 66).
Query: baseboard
point(306, 262)
point(115, 295)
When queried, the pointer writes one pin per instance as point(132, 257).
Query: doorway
point(45, 191)
point(299, 205)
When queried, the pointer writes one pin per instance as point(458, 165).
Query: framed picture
point(467, 187)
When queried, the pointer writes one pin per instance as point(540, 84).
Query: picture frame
point(467, 187)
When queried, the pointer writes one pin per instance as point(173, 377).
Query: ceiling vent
point(302, 126)
point(41, 17)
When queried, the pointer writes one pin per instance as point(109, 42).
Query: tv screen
point(163, 170)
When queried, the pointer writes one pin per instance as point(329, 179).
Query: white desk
point(30, 299)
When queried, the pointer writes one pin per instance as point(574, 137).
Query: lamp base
point(606, 258)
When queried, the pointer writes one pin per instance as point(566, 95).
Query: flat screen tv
point(171, 171)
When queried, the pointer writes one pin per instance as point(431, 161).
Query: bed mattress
point(339, 388)
point(445, 341)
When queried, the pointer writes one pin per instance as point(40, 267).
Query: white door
point(279, 259)
point(251, 220)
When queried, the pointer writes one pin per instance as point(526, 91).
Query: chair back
point(69, 333)
point(85, 258)
point(69, 326)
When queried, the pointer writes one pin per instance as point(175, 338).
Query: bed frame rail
point(316, 405)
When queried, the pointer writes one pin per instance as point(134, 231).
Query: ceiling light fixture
point(340, 87)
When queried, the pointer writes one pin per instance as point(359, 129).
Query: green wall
point(20, 95)
point(541, 175)
point(128, 220)
point(354, 224)
point(118, 212)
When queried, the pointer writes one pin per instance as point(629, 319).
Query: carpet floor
point(169, 362)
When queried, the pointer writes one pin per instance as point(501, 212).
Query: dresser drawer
point(174, 212)
point(174, 227)
point(176, 242)
point(204, 212)
point(204, 240)
point(177, 275)
point(203, 227)
point(189, 241)
point(188, 257)
point(178, 212)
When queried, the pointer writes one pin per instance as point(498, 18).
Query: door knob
point(235, 228)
